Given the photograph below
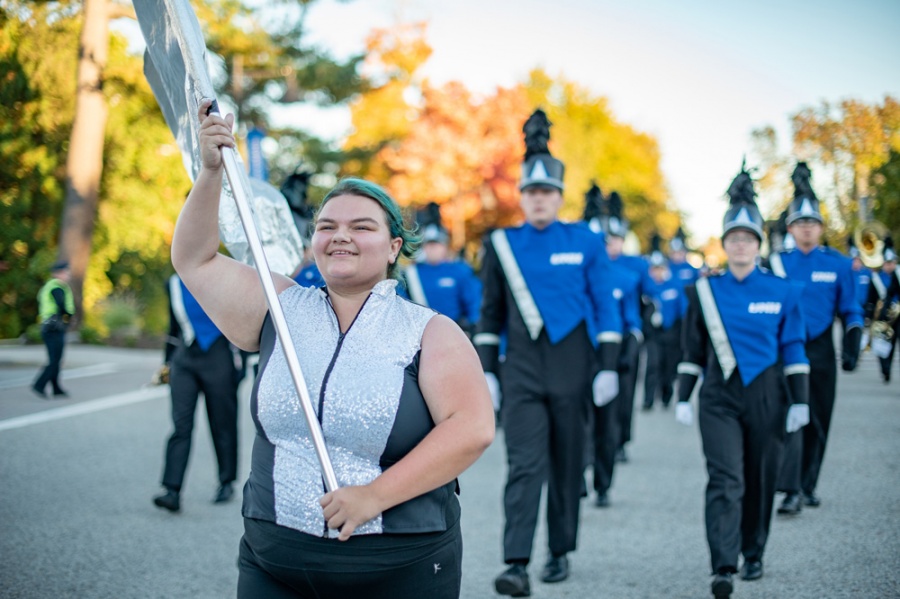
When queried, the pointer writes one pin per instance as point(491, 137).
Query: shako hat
point(743, 212)
point(678, 243)
point(657, 258)
point(889, 253)
point(429, 221)
point(805, 203)
point(615, 224)
point(539, 167)
point(593, 208)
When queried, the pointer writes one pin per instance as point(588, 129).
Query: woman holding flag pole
point(400, 401)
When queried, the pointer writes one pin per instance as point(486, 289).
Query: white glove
point(606, 387)
point(684, 413)
point(797, 417)
point(881, 347)
point(864, 340)
point(656, 320)
point(494, 388)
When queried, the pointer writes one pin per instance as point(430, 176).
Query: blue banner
point(256, 162)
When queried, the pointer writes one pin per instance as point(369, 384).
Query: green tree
point(35, 115)
point(142, 182)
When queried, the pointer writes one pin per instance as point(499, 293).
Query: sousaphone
point(869, 240)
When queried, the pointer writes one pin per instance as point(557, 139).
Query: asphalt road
point(77, 477)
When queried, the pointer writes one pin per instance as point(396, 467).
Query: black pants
point(279, 563)
point(805, 449)
point(212, 373)
point(886, 362)
point(55, 342)
point(742, 430)
point(546, 395)
point(663, 355)
point(608, 422)
point(628, 372)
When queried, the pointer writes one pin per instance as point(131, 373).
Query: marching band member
point(607, 422)
point(545, 283)
point(615, 227)
point(885, 287)
point(446, 286)
point(744, 334)
point(828, 289)
point(664, 294)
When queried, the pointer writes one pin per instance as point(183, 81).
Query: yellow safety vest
point(47, 305)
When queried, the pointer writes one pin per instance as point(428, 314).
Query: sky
point(699, 75)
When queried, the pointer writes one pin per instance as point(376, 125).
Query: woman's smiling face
point(352, 243)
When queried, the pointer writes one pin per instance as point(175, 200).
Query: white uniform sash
point(187, 329)
point(414, 284)
point(529, 310)
point(777, 265)
point(716, 328)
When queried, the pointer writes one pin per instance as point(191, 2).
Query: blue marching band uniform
point(828, 290)
point(447, 286)
point(882, 306)
point(745, 337)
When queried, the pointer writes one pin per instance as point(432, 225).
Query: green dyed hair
point(360, 187)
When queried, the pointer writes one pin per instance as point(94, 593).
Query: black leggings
point(280, 563)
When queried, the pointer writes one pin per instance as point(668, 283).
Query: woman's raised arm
point(229, 292)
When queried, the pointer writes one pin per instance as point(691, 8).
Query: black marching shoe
point(513, 582)
point(752, 570)
point(170, 500)
point(61, 394)
point(811, 499)
point(556, 570)
point(791, 505)
point(621, 456)
point(39, 392)
point(602, 500)
point(224, 493)
point(722, 585)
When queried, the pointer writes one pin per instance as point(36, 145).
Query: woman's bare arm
point(229, 292)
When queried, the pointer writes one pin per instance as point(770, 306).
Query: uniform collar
point(753, 274)
point(531, 228)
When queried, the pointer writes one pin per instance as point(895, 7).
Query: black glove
point(850, 353)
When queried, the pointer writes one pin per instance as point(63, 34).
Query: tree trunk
point(84, 163)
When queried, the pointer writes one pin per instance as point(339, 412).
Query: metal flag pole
point(175, 63)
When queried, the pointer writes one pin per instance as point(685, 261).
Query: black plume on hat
point(805, 203)
point(743, 211)
point(656, 256)
point(294, 189)
point(615, 216)
point(593, 204)
point(429, 221)
point(539, 167)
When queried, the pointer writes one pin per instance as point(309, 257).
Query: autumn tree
point(850, 140)
point(594, 145)
point(464, 151)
